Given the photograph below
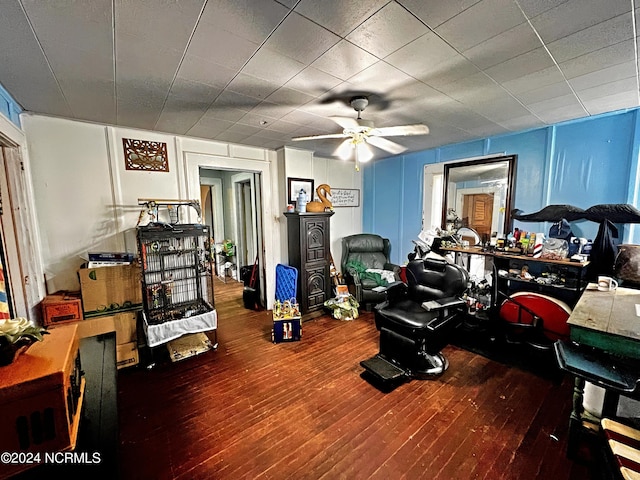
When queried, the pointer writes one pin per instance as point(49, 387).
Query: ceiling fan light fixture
point(345, 149)
point(364, 152)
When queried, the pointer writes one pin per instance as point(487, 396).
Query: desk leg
point(575, 420)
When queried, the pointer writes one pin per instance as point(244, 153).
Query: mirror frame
point(511, 182)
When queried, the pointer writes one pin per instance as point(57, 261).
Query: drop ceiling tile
point(227, 113)
point(444, 73)
point(344, 60)
point(575, 15)
point(608, 89)
point(622, 52)
point(525, 122)
point(500, 109)
point(229, 99)
point(561, 114)
point(617, 101)
point(197, 69)
point(214, 125)
point(301, 39)
point(539, 108)
point(592, 79)
point(535, 80)
point(504, 46)
point(173, 121)
point(273, 66)
point(243, 129)
point(290, 97)
point(82, 25)
point(521, 65)
point(380, 77)
point(220, 46)
point(533, 8)
point(231, 137)
point(252, 86)
point(251, 20)
point(436, 12)
point(193, 92)
point(420, 56)
point(339, 16)
point(601, 35)
point(170, 26)
point(489, 129)
point(495, 17)
point(476, 86)
point(545, 93)
point(203, 130)
point(313, 81)
point(387, 30)
point(268, 111)
point(283, 126)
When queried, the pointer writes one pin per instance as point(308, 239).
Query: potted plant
point(16, 334)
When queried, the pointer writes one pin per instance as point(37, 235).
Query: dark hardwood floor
point(254, 409)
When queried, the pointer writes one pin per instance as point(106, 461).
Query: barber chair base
point(387, 375)
point(383, 374)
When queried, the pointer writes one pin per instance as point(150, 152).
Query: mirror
point(478, 196)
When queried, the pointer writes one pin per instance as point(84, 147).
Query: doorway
point(231, 202)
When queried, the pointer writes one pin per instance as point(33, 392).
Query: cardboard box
point(107, 290)
point(125, 324)
point(127, 355)
point(61, 307)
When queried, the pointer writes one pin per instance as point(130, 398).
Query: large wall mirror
point(478, 195)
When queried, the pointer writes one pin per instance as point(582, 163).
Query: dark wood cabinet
point(308, 236)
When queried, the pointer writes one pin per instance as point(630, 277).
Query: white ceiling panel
point(480, 22)
point(248, 19)
point(504, 46)
point(263, 72)
point(602, 35)
point(436, 12)
point(352, 12)
point(575, 15)
point(387, 30)
point(301, 39)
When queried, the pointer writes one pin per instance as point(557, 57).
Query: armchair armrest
point(352, 278)
point(443, 303)
point(393, 267)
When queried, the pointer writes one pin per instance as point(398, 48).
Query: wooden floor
point(254, 409)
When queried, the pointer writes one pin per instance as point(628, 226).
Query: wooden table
point(609, 321)
point(604, 350)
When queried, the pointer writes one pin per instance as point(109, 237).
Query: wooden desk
point(608, 321)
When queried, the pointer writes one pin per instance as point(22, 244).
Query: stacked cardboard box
point(112, 300)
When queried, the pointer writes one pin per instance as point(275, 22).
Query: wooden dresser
point(41, 395)
point(308, 235)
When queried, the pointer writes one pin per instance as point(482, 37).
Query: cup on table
point(606, 284)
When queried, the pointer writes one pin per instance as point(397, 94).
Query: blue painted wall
point(9, 107)
point(581, 163)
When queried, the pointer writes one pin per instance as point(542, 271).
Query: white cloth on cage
point(167, 331)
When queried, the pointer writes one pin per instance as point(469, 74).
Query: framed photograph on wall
point(294, 185)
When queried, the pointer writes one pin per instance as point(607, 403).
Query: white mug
point(606, 284)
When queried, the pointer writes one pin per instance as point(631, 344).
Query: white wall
point(86, 200)
point(298, 163)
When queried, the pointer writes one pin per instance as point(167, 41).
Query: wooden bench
point(623, 442)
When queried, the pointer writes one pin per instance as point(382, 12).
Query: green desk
point(604, 349)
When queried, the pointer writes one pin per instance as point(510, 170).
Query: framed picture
point(345, 197)
point(294, 185)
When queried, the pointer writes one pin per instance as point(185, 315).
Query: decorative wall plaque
point(145, 155)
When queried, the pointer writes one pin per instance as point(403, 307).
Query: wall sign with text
point(345, 197)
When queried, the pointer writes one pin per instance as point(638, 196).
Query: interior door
point(477, 212)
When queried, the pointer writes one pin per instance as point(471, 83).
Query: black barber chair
point(416, 321)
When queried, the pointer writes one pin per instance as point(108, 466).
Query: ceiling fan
point(359, 134)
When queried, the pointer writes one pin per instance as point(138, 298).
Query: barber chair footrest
point(383, 370)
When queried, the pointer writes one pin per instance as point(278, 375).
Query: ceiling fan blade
point(385, 144)
point(400, 131)
point(317, 137)
point(346, 122)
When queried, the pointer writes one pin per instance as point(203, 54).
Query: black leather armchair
point(361, 252)
point(416, 321)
